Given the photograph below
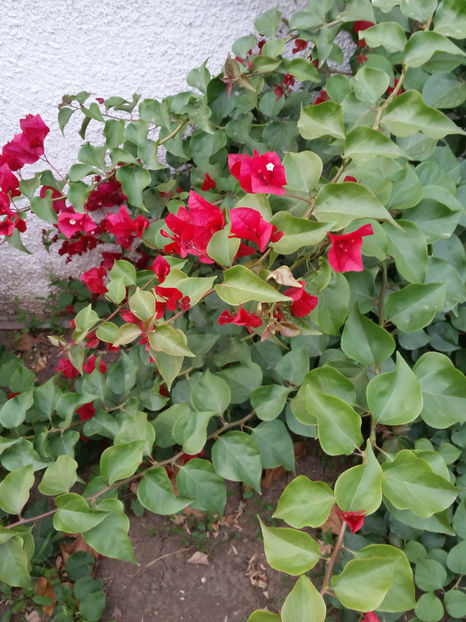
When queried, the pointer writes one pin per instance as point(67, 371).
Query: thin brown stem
point(336, 550)
point(388, 101)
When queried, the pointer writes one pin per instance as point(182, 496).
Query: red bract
point(303, 303)
point(124, 228)
point(108, 259)
point(89, 365)
point(354, 520)
point(350, 178)
point(288, 79)
point(78, 245)
point(390, 89)
point(299, 45)
point(58, 205)
point(370, 617)
point(362, 58)
point(94, 279)
point(171, 298)
point(185, 458)
point(86, 411)
point(242, 318)
point(91, 338)
point(322, 97)
point(27, 147)
point(258, 173)
point(106, 194)
point(161, 268)
point(208, 183)
point(278, 90)
point(193, 228)
point(361, 25)
point(66, 367)
point(5, 204)
point(35, 130)
point(345, 253)
point(248, 224)
point(9, 183)
point(71, 222)
point(12, 222)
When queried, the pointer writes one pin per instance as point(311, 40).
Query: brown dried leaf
point(33, 616)
point(77, 544)
point(300, 450)
point(26, 342)
point(271, 475)
point(256, 572)
point(284, 276)
point(187, 511)
point(325, 549)
point(333, 522)
point(39, 364)
point(44, 587)
point(199, 558)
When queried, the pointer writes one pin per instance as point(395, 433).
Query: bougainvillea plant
point(280, 246)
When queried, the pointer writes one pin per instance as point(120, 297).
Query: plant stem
point(173, 133)
point(380, 301)
point(336, 550)
point(389, 100)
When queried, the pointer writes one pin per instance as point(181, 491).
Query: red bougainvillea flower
point(390, 89)
point(5, 204)
point(258, 173)
point(208, 183)
point(322, 97)
point(362, 58)
point(71, 222)
point(108, 259)
point(248, 224)
point(66, 367)
point(354, 520)
point(303, 303)
point(12, 222)
point(288, 79)
point(27, 147)
point(299, 45)
point(193, 227)
point(35, 130)
point(9, 183)
point(91, 338)
point(89, 365)
point(242, 318)
point(370, 616)
point(161, 268)
point(86, 411)
point(350, 178)
point(279, 91)
point(172, 299)
point(185, 458)
point(124, 228)
point(59, 205)
point(94, 279)
point(345, 253)
point(106, 194)
point(361, 25)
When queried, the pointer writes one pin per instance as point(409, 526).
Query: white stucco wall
point(108, 47)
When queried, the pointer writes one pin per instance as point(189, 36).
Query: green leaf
point(443, 389)
point(86, 319)
point(395, 398)
point(408, 247)
point(64, 115)
point(14, 562)
point(136, 428)
point(122, 375)
point(332, 308)
point(269, 401)
point(303, 171)
point(455, 603)
point(211, 393)
point(414, 306)
point(303, 70)
point(303, 599)
point(275, 445)
point(450, 20)
point(242, 46)
point(116, 290)
point(133, 180)
point(430, 575)
point(14, 489)
point(74, 515)
point(42, 207)
point(13, 411)
point(293, 366)
point(422, 46)
point(389, 34)
point(241, 285)
point(364, 341)
point(190, 430)
point(242, 379)
point(142, 304)
point(444, 90)
point(456, 560)
point(197, 480)
point(95, 156)
point(420, 10)
point(136, 132)
point(124, 270)
point(411, 484)
point(170, 340)
point(408, 114)
point(369, 84)
point(261, 615)
point(222, 248)
point(114, 132)
point(343, 203)
point(363, 144)
point(236, 456)
point(267, 23)
point(59, 476)
point(121, 461)
point(305, 503)
point(325, 119)
point(110, 537)
point(126, 334)
point(429, 608)
point(78, 171)
point(360, 488)
point(379, 577)
point(289, 550)
point(155, 493)
point(339, 426)
point(169, 367)
point(298, 232)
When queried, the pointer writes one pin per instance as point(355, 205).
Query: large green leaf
point(169, 340)
point(369, 84)
point(110, 537)
point(343, 203)
point(133, 180)
point(298, 232)
point(365, 341)
point(211, 393)
point(408, 247)
point(302, 602)
point(414, 306)
point(332, 308)
point(395, 398)
point(324, 119)
point(74, 515)
point(222, 248)
point(241, 285)
point(142, 304)
point(443, 389)
point(269, 401)
point(13, 411)
point(289, 550)
point(305, 503)
point(408, 114)
point(236, 456)
point(155, 492)
point(363, 144)
point(121, 461)
point(169, 367)
point(450, 19)
point(411, 484)
point(423, 45)
point(59, 476)
point(360, 488)
point(190, 430)
point(262, 615)
point(14, 489)
point(303, 171)
point(444, 90)
point(389, 34)
point(275, 445)
point(197, 480)
point(14, 562)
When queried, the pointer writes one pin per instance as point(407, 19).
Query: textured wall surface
point(107, 47)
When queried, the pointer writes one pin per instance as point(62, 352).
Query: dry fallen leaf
point(333, 522)
point(284, 276)
point(271, 475)
point(256, 572)
point(43, 587)
point(300, 450)
point(77, 544)
point(26, 342)
point(33, 617)
point(199, 558)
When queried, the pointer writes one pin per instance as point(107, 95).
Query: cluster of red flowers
point(25, 148)
point(66, 367)
point(285, 87)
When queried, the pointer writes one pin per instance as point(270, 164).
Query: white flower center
point(72, 222)
point(270, 166)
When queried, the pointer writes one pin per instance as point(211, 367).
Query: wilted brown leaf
point(26, 342)
point(271, 475)
point(199, 558)
point(333, 522)
point(77, 544)
point(44, 587)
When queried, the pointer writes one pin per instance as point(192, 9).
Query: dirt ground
point(195, 567)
